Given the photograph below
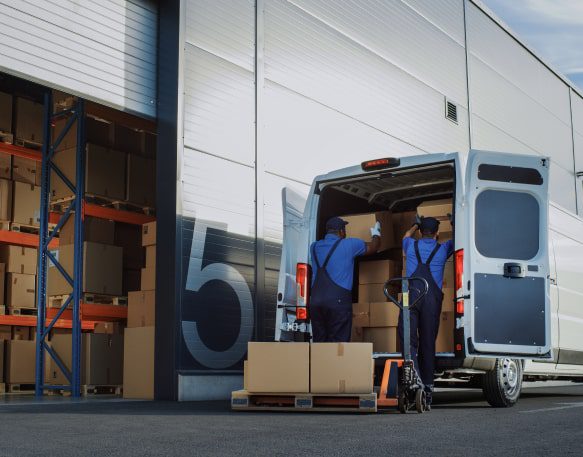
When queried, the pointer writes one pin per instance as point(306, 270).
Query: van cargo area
point(393, 198)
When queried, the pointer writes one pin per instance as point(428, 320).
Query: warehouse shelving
point(31, 321)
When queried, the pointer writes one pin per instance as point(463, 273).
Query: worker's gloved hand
point(417, 221)
point(376, 230)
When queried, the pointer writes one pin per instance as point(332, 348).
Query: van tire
point(502, 385)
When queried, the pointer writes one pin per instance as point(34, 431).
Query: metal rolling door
point(103, 51)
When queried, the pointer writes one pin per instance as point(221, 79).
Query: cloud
point(552, 28)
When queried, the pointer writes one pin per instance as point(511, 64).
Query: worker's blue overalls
point(330, 304)
point(424, 320)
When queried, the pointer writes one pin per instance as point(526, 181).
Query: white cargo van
point(518, 268)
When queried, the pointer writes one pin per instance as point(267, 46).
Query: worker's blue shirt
point(341, 265)
point(426, 246)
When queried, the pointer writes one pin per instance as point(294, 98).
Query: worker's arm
point(375, 244)
point(409, 233)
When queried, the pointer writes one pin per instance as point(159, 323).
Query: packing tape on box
point(340, 350)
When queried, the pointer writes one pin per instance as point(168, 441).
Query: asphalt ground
point(547, 421)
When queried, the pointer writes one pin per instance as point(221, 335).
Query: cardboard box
point(19, 259)
point(151, 256)
point(141, 181)
point(127, 139)
point(95, 230)
point(21, 333)
point(20, 362)
point(279, 367)
point(20, 290)
point(359, 227)
point(6, 200)
point(245, 375)
point(360, 315)
point(102, 270)
point(29, 120)
point(142, 308)
point(445, 336)
point(402, 222)
point(376, 271)
point(149, 234)
point(26, 207)
point(110, 328)
point(448, 305)
point(101, 358)
point(357, 334)
point(149, 144)
point(5, 166)
point(341, 368)
point(448, 274)
point(435, 208)
point(105, 171)
point(26, 170)
point(129, 237)
point(5, 112)
point(445, 236)
point(148, 279)
point(2, 361)
point(383, 339)
point(132, 280)
point(97, 132)
point(371, 292)
point(383, 314)
point(138, 367)
point(2, 286)
point(5, 332)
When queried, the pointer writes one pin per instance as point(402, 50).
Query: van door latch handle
point(514, 270)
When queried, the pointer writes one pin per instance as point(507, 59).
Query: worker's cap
point(336, 223)
point(429, 224)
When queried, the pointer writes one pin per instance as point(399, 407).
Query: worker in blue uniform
point(333, 266)
point(426, 259)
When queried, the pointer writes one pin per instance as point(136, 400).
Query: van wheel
point(502, 385)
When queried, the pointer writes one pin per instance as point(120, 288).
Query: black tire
point(502, 385)
point(420, 401)
point(403, 403)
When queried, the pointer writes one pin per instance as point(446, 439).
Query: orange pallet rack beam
point(30, 321)
point(94, 312)
point(24, 239)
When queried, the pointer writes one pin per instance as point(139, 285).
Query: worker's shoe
point(428, 396)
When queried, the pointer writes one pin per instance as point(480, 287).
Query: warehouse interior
point(115, 309)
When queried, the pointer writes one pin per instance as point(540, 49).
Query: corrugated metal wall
point(278, 91)
point(102, 50)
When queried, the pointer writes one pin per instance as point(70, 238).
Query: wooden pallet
point(21, 388)
point(28, 144)
point(2, 388)
point(87, 390)
point(56, 301)
point(62, 204)
point(22, 311)
point(5, 225)
point(6, 137)
point(241, 400)
point(24, 228)
point(2, 310)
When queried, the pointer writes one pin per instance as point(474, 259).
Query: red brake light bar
point(380, 164)
point(303, 282)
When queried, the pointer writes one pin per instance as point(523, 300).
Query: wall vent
point(451, 110)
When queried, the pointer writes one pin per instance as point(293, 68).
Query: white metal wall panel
point(219, 106)
point(101, 50)
point(577, 106)
point(494, 46)
point(562, 187)
point(225, 28)
point(400, 35)
point(312, 59)
point(448, 15)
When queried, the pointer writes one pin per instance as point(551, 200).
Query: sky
point(551, 28)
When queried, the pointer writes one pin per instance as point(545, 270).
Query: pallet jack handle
point(404, 281)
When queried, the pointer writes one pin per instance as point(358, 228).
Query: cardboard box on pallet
point(101, 359)
point(20, 290)
point(359, 227)
point(383, 339)
point(26, 207)
point(97, 132)
point(128, 237)
point(445, 336)
point(5, 112)
point(5, 165)
point(6, 200)
point(26, 170)
point(102, 270)
point(141, 181)
point(20, 362)
point(19, 259)
point(376, 271)
point(95, 230)
point(29, 120)
point(111, 328)
point(105, 171)
point(279, 367)
point(149, 234)
point(141, 308)
point(138, 366)
point(344, 368)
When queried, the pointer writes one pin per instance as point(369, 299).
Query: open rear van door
point(294, 236)
point(507, 255)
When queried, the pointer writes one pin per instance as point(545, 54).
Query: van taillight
point(459, 278)
point(303, 281)
point(379, 164)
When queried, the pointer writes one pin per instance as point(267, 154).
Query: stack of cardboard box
point(20, 265)
point(343, 368)
point(138, 380)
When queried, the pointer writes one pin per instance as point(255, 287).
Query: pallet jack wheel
point(420, 401)
point(403, 402)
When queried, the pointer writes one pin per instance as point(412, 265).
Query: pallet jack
point(401, 385)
